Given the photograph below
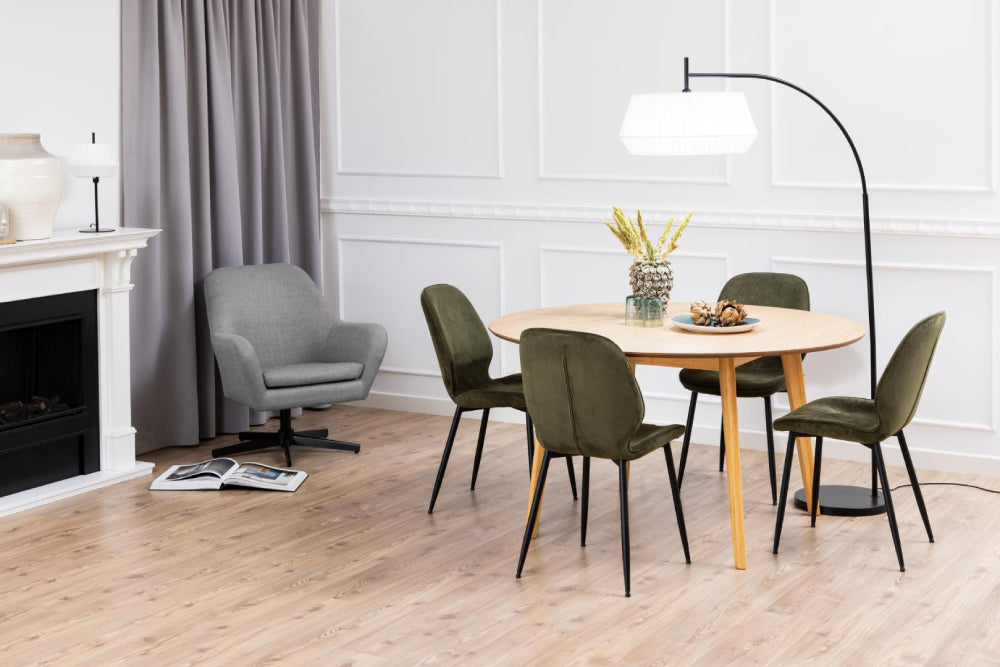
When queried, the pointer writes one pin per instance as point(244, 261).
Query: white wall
point(475, 142)
point(59, 77)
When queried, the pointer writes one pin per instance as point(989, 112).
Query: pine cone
point(730, 313)
point(701, 313)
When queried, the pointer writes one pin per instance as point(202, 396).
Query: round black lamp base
point(91, 230)
point(837, 500)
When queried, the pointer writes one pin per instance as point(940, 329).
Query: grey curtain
point(220, 143)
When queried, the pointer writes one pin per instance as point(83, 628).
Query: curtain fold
point(220, 149)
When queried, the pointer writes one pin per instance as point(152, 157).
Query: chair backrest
point(902, 382)
point(461, 342)
point(777, 290)
point(276, 307)
point(581, 393)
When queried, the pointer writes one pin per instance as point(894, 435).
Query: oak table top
point(781, 331)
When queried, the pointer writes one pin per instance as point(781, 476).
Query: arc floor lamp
point(719, 123)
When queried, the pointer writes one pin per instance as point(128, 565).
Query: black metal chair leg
point(887, 494)
point(444, 458)
point(572, 475)
point(314, 433)
point(687, 438)
point(536, 499)
point(769, 429)
point(783, 494)
point(479, 448)
point(722, 445)
point(586, 501)
point(675, 491)
point(249, 446)
point(817, 467)
point(623, 504)
point(912, 474)
point(531, 440)
point(874, 475)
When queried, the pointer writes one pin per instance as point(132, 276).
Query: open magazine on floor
point(219, 473)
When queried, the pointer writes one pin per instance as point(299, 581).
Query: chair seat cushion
point(841, 417)
point(649, 437)
point(298, 375)
point(750, 382)
point(505, 392)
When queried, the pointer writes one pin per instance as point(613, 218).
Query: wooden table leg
point(536, 470)
point(795, 383)
point(727, 383)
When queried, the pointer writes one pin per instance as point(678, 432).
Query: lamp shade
point(711, 123)
point(93, 160)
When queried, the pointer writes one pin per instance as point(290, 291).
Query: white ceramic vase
point(30, 185)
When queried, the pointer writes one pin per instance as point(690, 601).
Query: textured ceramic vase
point(650, 278)
point(30, 185)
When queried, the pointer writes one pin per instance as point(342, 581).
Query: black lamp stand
point(96, 227)
point(835, 500)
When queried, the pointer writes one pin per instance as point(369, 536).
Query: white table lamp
point(94, 160)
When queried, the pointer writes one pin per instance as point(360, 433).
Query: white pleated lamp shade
point(93, 160)
point(710, 123)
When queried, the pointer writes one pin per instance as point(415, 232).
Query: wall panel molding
point(979, 229)
point(338, 125)
point(545, 175)
point(356, 238)
point(993, 20)
point(990, 272)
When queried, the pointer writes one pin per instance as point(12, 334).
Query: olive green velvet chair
point(869, 422)
point(585, 401)
point(464, 353)
point(761, 378)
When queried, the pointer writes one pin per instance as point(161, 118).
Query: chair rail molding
point(984, 228)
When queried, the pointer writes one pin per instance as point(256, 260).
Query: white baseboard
point(923, 458)
point(65, 488)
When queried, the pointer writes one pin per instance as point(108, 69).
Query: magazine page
point(216, 467)
point(260, 476)
point(202, 476)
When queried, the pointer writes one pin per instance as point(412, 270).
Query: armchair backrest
point(581, 393)
point(776, 290)
point(902, 382)
point(276, 307)
point(461, 342)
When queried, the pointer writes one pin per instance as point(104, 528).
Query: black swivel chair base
point(285, 437)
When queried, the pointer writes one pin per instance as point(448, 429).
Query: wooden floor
point(352, 569)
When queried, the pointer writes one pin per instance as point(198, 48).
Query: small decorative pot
point(651, 279)
point(30, 185)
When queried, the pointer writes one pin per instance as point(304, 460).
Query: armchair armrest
point(239, 368)
point(363, 343)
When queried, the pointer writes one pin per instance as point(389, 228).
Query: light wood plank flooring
point(352, 569)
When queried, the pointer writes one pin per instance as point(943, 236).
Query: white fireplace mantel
point(71, 262)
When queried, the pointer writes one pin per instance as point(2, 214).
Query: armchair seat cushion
point(841, 417)
point(649, 437)
point(505, 392)
point(298, 375)
point(750, 382)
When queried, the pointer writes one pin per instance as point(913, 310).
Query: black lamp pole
point(840, 500)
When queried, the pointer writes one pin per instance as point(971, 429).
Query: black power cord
point(971, 486)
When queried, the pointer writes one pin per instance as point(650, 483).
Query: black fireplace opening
point(49, 421)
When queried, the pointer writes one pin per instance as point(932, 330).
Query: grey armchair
point(279, 346)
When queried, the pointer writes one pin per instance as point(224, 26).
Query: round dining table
point(782, 332)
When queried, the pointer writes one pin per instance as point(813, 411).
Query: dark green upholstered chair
point(761, 378)
point(464, 353)
point(585, 401)
point(869, 422)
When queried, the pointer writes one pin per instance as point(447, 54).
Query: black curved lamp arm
point(861, 172)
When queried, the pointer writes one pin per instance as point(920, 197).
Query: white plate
point(684, 322)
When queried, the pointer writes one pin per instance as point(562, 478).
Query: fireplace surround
point(70, 408)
